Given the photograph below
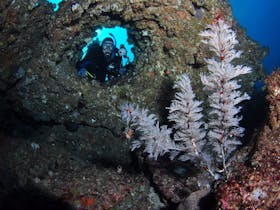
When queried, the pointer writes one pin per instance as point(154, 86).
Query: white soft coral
point(224, 96)
point(155, 138)
point(185, 111)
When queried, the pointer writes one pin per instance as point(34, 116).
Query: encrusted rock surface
point(273, 88)
point(46, 172)
point(255, 186)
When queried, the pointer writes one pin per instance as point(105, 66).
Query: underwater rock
point(47, 45)
point(173, 187)
point(273, 97)
point(61, 170)
point(71, 126)
point(192, 201)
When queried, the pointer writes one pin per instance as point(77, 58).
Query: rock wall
point(273, 97)
point(39, 50)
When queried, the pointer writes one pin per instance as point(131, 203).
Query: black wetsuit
point(100, 67)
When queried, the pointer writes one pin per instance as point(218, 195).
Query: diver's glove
point(82, 72)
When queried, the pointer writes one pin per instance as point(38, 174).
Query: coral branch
point(224, 131)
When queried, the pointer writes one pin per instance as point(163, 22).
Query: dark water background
point(261, 19)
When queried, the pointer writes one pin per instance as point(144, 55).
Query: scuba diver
point(102, 63)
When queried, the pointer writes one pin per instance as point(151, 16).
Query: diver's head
point(108, 46)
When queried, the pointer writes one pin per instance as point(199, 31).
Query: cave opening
point(107, 56)
point(55, 4)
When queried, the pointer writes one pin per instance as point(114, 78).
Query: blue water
point(261, 19)
point(56, 4)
